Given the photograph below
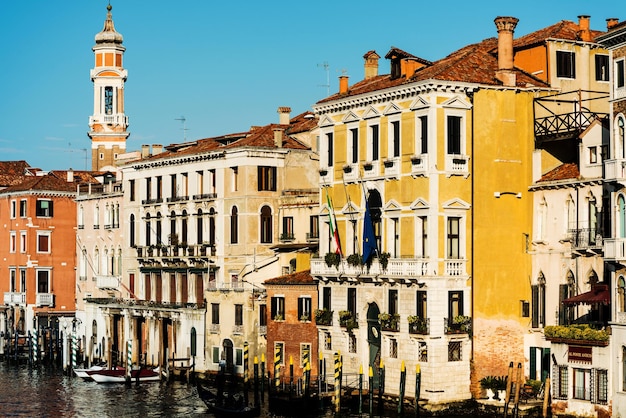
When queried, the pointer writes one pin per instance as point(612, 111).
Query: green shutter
point(533, 362)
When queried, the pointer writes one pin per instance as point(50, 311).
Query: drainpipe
point(472, 221)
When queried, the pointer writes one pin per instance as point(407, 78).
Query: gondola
point(227, 405)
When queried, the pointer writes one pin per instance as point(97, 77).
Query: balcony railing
point(177, 199)
point(205, 196)
point(457, 164)
point(615, 249)
point(615, 170)
point(287, 236)
point(454, 267)
point(151, 201)
point(585, 238)
point(312, 236)
point(107, 282)
point(565, 125)
point(458, 325)
point(392, 167)
point(397, 267)
point(419, 164)
point(45, 299)
point(420, 326)
point(13, 298)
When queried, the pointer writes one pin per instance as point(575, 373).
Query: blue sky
point(224, 66)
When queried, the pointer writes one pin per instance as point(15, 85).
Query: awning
point(599, 293)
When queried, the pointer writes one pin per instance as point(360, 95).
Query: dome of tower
point(108, 33)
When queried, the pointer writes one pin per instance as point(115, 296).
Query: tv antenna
point(183, 120)
point(327, 85)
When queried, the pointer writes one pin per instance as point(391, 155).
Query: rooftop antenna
point(83, 150)
point(183, 120)
point(327, 85)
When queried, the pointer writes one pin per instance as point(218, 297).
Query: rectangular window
point(23, 280)
point(422, 222)
point(395, 237)
point(159, 188)
point(131, 191)
point(354, 142)
point(565, 64)
point(43, 281)
point(593, 155)
point(422, 351)
point(238, 314)
point(216, 355)
point(352, 345)
point(278, 308)
point(352, 301)
point(329, 149)
point(328, 341)
point(14, 209)
point(454, 135)
point(454, 351)
point(22, 208)
point(393, 301)
point(239, 357)
point(13, 280)
point(148, 188)
point(263, 315)
point(326, 295)
point(581, 384)
point(453, 238)
point(395, 136)
point(22, 241)
point(423, 138)
point(314, 227)
point(421, 309)
point(266, 178)
point(602, 386)
point(538, 306)
point(619, 74)
point(393, 348)
point(215, 313)
point(173, 186)
point(43, 242)
point(602, 67)
point(235, 173)
point(304, 308)
point(13, 242)
point(561, 382)
point(375, 142)
point(455, 304)
point(288, 228)
point(44, 208)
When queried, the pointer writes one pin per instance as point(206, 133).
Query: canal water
point(44, 391)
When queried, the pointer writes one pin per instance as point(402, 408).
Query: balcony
point(348, 320)
point(392, 168)
point(389, 322)
point(205, 196)
point(107, 282)
point(419, 165)
point(564, 125)
point(581, 334)
point(615, 250)
point(45, 299)
point(585, 241)
point(419, 326)
point(151, 201)
point(14, 298)
point(405, 268)
point(454, 267)
point(119, 119)
point(458, 325)
point(287, 237)
point(323, 317)
point(175, 199)
point(457, 165)
point(312, 237)
point(615, 170)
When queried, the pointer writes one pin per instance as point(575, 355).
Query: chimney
point(610, 22)
point(343, 84)
point(506, 26)
point(284, 115)
point(145, 151)
point(583, 24)
point(157, 149)
point(70, 176)
point(278, 137)
point(371, 64)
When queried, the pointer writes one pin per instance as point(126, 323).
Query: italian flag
point(332, 221)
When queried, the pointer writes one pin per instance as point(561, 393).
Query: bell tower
point(108, 125)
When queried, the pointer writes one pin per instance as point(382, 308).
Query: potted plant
point(388, 163)
point(367, 166)
point(347, 168)
point(278, 317)
point(389, 322)
point(347, 320)
point(383, 259)
point(417, 325)
point(332, 259)
point(305, 317)
point(354, 260)
point(323, 316)
point(323, 172)
point(489, 384)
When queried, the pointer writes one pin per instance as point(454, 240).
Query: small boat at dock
point(119, 375)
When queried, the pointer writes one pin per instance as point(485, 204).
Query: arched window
point(83, 264)
point(593, 277)
point(96, 217)
point(81, 217)
point(159, 228)
point(199, 235)
point(539, 302)
point(234, 225)
point(570, 215)
point(119, 261)
point(621, 217)
point(566, 290)
point(148, 234)
point(542, 215)
point(96, 260)
point(621, 294)
point(375, 204)
point(266, 225)
point(131, 224)
point(173, 234)
point(212, 226)
point(183, 229)
point(619, 138)
point(593, 220)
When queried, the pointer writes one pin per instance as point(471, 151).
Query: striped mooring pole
point(337, 384)
point(74, 349)
point(278, 356)
point(245, 372)
point(35, 348)
point(129, 357)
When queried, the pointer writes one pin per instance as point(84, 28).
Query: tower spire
point(108, 123)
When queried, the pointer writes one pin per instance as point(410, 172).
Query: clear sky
point(223, 66)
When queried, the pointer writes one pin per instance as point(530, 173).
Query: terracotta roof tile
point(565, 171)
point(48, 182)
point(12, 172)
point(300, 277)
point(564, 29)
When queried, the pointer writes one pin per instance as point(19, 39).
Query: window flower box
point(389, 322)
